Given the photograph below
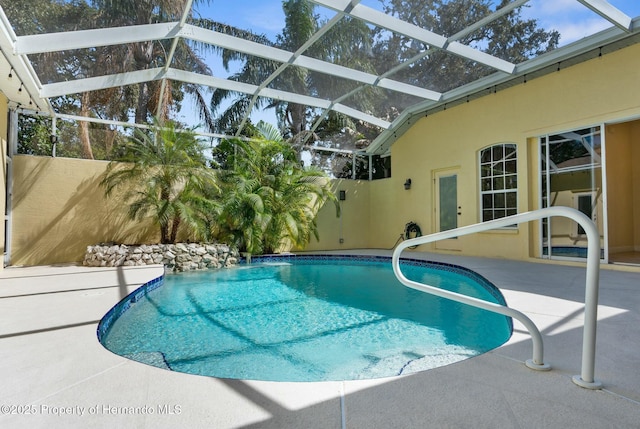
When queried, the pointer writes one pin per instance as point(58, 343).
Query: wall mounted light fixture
point(407, 184)
point(342, 195)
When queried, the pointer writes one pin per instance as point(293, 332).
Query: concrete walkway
point(55, 374)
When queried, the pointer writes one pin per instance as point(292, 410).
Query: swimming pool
point(303, 318)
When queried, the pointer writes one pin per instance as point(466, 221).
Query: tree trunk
point(85, 139)
point(143, 55)
point(164, 233)
point(298, 125)
point(143, 98)
point(298, 119)
point(174, 229)
point(109, 138)
point(164, 226)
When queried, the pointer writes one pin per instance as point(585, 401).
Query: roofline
point(604, 42)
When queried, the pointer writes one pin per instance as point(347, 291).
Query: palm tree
point(165, 177)
point(348, 43)
point(119, 103)
point(269, 201)
point(146, 54)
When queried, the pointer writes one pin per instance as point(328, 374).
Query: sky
point(573, 20)
point(569, 17)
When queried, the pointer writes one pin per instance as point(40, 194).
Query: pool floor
point(306, 321)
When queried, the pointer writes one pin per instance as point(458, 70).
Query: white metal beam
point(210, 81)
point(102, 82)
point(472, 54)
point(226, 41)
point(245, 88)
point(120, 35)
point(609, 12)
point(174, 44)
point(360, 115)
point(23, 87)
point(413, 31)
point(274, 94)
point(83, 39)
point(397, 25)
point(330, 149)
point(394, 85)
point(282, 56)
point(488, 19)
point(313, 39)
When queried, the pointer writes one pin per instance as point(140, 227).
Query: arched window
point(498, 181)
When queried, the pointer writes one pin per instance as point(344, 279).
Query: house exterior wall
point(623, 183)
point(635, 178)
point(352, 226)
point(602, 90)
point(620, 189)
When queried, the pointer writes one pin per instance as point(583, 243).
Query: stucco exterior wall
point(619, 166)
point(635, 178)
point(598, 91)
point(59, 209)
point(352, 226)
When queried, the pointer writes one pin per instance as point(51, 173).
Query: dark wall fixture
point(342, 195)
point(407, 184)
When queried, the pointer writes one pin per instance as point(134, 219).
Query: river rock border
point(175, 257)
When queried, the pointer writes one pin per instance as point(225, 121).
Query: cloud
point(570, 18)
point(572, 31)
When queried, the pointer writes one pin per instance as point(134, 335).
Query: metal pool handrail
point(586, 378)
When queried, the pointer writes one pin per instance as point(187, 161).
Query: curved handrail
point(586, 378)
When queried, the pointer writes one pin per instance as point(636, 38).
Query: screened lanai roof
point(376, 63)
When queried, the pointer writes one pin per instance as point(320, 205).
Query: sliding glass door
point(571, 175)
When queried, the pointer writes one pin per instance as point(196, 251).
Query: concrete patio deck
point(55, 373)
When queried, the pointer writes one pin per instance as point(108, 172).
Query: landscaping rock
point(175, 257)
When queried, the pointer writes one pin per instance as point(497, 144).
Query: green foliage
point(348, 43)
point(165, 177)
point(223, 153)
point(510, 38)
point(34, 138)
point(118, 103)
point(33, 135)
point(268, 200)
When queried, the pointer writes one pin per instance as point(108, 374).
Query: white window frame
point(511, 158)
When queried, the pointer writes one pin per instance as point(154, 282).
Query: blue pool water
point(305, 319)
